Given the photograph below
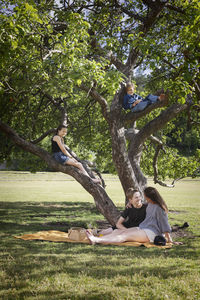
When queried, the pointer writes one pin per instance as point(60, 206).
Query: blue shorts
point(60, 157)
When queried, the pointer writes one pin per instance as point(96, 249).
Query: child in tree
point(61, 155)
point(135, 102)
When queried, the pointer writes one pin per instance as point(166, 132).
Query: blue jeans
point(144, 103)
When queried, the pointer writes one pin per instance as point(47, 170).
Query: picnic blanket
point(60, 236)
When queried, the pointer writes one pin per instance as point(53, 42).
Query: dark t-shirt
point(134, 216)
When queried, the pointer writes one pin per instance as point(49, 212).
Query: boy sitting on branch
point(135, 102)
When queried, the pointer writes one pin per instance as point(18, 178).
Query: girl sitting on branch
point(61, 155)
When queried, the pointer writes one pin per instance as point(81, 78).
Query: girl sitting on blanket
point(155, 223)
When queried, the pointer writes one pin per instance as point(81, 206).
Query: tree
point(63, 62)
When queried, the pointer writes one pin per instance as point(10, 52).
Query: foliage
point(50, 49)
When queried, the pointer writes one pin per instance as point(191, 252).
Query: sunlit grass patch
point(47, 270)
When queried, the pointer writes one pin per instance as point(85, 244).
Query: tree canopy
point(67, 62)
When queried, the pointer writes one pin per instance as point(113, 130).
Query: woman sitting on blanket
point(155, 223)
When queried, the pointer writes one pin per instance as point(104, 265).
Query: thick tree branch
point(153, 4)
point(158, 123)
point(102, 201)
point(116, 62)
point(130, 116)
point(152, 16)
point(155, 168)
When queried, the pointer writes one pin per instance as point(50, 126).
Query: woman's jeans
point(144, 103)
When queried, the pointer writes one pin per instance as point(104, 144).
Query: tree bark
point(103, 203)
point(121, 159)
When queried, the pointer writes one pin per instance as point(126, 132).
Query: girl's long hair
point(60, 127)
point(154, 195)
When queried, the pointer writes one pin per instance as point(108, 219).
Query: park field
point(49, 270)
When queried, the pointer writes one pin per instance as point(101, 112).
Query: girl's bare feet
point(90, 237)
point(96, 180)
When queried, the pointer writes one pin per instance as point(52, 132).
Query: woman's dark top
point(54, 146)
point(134, 216)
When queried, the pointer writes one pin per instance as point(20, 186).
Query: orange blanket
point(60, 236)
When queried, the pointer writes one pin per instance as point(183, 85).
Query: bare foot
point(164, 98)
point(90, 237)
point(96, 180)
point(161, 97)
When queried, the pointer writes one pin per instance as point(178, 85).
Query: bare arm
point(136, 102)
point(57, 139)
point(169, 239)
point(119, 224)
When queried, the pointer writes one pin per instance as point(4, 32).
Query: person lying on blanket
point(154, 224)
point(133, 214)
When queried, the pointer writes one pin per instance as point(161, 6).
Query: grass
point(46, 270)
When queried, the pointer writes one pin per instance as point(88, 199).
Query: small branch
point(169, 63)
point(177, 179)
point(175, 8)
point(129, 13)
point(62, 109)
point(102, 101)
point(10, 88)
point(50, 53)
point(155, 168)
point(53, 130)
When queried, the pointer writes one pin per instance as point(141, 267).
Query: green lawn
point(47, 270)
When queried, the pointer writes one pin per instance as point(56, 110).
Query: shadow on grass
point(37, 260)
point(25, 217)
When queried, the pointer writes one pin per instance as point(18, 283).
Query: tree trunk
point(135, 156)
point(120, 158)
